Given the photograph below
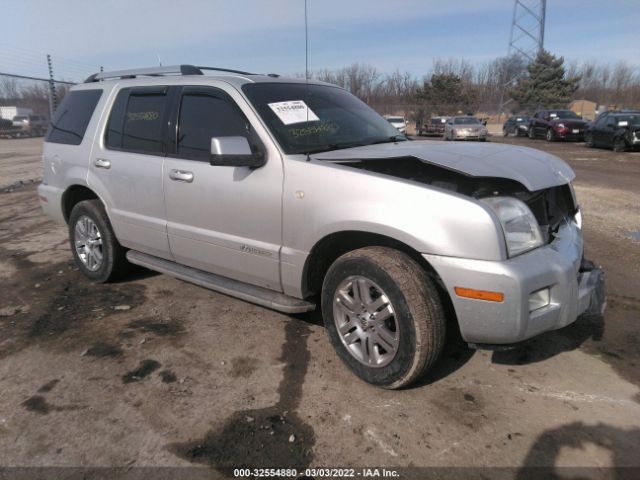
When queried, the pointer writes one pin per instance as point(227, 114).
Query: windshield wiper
point(393, 139)
point(339, 146)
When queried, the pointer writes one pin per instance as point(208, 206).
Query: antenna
point(159, 61)
point(306, 44)
point(306, 62)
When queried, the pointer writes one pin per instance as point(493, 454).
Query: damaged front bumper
point(545, 289)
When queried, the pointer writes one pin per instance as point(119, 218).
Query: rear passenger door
point(126, 168)
point(222, 219)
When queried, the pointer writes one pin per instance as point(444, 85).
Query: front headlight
point(520, 227)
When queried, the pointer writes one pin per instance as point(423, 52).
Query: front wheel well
point(72, 196)
point(334, 245)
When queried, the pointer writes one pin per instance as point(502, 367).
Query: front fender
point(322, 198)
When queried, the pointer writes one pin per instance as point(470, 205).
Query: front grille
point(551, 207)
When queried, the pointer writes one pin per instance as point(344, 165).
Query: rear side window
point(135, 123)
point(72, 117)
point(203, 116)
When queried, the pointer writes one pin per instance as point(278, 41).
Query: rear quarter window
point(72, 117)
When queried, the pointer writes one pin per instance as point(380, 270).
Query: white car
point(399, 122)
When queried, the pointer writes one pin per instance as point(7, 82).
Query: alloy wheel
point(366, 321)
point(88, 243)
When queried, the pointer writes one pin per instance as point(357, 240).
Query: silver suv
point(290, 194)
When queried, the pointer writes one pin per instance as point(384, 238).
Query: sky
point(269, 36)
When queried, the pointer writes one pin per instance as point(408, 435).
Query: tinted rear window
point(72, 117)
point(135, 123)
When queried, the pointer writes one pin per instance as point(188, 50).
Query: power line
point(25, 77)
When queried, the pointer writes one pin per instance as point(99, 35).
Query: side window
point(135, 123)
point(72, 117)
point(203, 116)
point(602, 121)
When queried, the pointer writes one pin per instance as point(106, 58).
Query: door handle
point(181, 176)
point(102, 163)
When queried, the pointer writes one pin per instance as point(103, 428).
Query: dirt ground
point(153, 371)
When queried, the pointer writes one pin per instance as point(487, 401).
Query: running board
point(244, 291)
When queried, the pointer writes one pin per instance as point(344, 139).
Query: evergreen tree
point(445, 94)
point(546, 84)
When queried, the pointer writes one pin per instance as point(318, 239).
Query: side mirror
point(484, 122)
point(234, 152)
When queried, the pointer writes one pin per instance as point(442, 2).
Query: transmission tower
point(527, 28)
point(526, 39)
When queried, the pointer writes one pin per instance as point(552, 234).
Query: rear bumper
point(51, 202)
point(557, 267)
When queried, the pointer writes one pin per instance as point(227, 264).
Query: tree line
point(457, 85)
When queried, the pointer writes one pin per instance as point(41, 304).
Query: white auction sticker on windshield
point(294, 111)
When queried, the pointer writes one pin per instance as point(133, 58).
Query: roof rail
point(158, 71)
point(239, 72)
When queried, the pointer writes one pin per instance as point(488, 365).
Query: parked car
point(290, 194)
point(465, 128)
point(435, 127)
point(29, 125)
point(517, 125)
point(618, 131)
point(557, 125)
point(398, 122)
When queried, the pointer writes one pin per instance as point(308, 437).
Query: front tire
point(95, 248)
point(550, 135)
point(532, 133)
point(383, 315)
point(619, 145)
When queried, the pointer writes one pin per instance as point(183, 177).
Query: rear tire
point(378, 289)
point(588, 140)
point(95, 248)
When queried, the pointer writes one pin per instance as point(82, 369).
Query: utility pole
point(526, 39)
point(53, 98)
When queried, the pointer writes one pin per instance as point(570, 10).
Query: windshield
point(337, 119)
point(630, 119)
point(438, 121)
point(395, 119)
point(567, 114)
point(466, 121)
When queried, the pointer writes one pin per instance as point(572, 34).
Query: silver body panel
point(258, 226)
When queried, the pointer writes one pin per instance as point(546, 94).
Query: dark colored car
point(618, 131)
point(557, 125)
point(517, 125)
point(434, 127)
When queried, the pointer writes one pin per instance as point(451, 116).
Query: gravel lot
point(153, 371)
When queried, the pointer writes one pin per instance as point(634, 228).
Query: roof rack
point(159, 71)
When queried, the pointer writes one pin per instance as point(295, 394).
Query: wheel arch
point(336, 244)
point(73, 195)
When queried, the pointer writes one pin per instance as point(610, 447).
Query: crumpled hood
point(533, 168)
